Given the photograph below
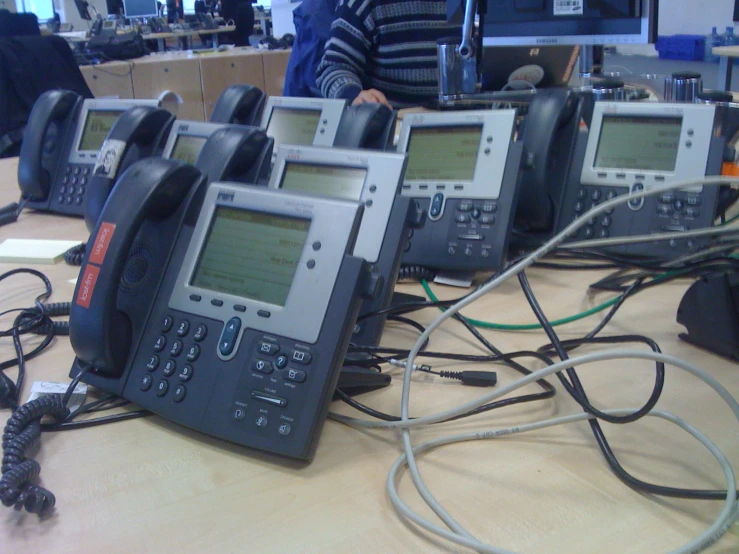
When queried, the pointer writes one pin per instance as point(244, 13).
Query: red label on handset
point(88, 278)
point(102, 241)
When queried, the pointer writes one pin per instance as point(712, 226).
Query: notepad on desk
point(29, 251)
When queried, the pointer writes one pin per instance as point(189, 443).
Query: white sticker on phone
point(109, 158)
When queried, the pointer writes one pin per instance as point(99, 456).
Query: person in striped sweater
point(384, 51)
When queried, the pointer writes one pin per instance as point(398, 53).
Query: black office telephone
point(463, 170)
point(241, 104)
point(550, 133)
point(368, 126)
point(179, 310)
point(138, 133)
point(632, 146)
point(61, 144)
point(206, 21)
point(221, 152)
point(159, 25)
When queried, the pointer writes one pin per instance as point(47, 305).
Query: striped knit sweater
point(389, 45)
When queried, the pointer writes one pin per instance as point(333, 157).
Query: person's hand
point(371, 96)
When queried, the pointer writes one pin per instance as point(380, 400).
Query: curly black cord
point(75, 255)
point(22, 430)
point(10, 213)
point(415, 273)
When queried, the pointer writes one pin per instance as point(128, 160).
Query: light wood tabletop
point(149, 485)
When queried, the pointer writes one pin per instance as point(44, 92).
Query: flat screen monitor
point(140, 8)
point(543, 22)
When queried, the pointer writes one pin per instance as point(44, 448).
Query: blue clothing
point(312, 20)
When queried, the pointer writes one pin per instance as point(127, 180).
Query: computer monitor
point(140, 8)
point(544, 22)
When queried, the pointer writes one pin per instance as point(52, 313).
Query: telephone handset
point(61, 144)
point(237, 154)
point(101, 333)
point(205, 338)
point(137, 133)
point(550, 131)
point(241, 104)
point(48, 125)
point(369, 126)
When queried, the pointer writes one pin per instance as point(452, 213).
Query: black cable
point(75, 255)
point(597, 430)
point(415, 273)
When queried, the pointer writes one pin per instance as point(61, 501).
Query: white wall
point(694, 17)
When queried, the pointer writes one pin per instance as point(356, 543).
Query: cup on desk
point(456, 75)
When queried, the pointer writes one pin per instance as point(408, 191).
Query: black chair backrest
point(18, 24)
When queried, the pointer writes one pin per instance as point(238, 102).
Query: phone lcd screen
point(293, 126)
point(251, 254)
point(639, 143)
point(327, 180)
point(96, 128)
point(187, 148)
point(447, 153)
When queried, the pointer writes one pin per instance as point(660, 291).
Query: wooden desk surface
point(149, 485)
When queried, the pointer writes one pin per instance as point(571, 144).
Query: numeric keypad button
point(193, 353)
point(186, 373)
point(153, 363)
point(176, 349)
point(183, 328)
point(162, 388)
point(167, 323)
point(201, 331)
point(169, 368)
point(160, 343)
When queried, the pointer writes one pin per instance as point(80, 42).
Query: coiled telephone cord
point(22, 431)
point(415, 273)
point(75, 255)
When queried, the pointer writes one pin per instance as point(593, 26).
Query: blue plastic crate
point(681, 47)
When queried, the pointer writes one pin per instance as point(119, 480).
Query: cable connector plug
point(473, 378)
point(416, 367)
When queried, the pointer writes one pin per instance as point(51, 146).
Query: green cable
point(526, 326)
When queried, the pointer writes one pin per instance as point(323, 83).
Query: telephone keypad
point(167, 323)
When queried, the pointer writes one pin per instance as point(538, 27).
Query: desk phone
point(634, 146)
point(463, 171)
point(63, 138)
point(241, 326)
point(229, 152)
point(240, 104)
point(373, 179)
point(236, 153)
point(302, 121)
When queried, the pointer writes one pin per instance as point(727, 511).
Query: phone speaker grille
point(138, 268)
